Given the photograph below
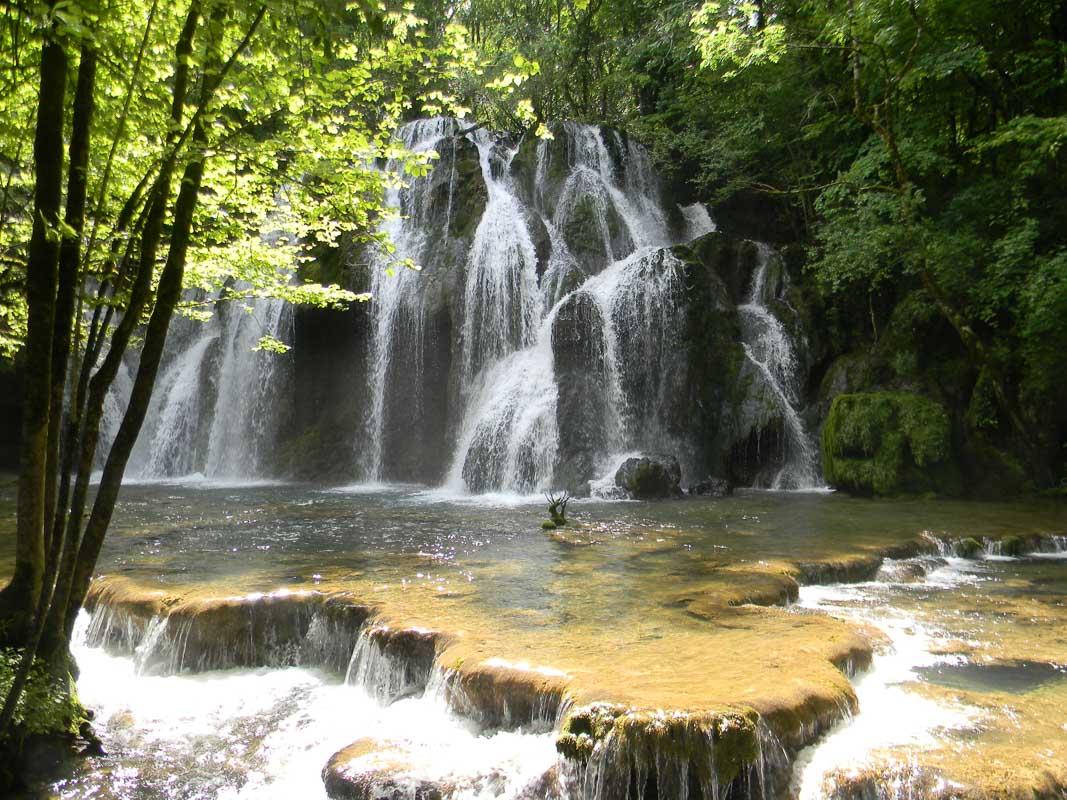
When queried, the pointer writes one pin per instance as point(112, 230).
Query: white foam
point(890, 715)
point(267, 733)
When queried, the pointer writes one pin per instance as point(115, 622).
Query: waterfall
point(213, 409)
point(768, 347)
point(509, 438)
point(501, 301)
point(543, 334)
point(638, 299)
point(242, 418)
point(397, 320)
point(697, 221)
point(171, 426)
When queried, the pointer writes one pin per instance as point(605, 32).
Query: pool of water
point(626, 603)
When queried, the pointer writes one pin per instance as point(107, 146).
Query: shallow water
point(608, 603)
point(975, 658)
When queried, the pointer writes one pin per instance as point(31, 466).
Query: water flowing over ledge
point(599, 749)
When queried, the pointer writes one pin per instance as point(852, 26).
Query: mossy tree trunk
point(56, 556)
point(19, 598)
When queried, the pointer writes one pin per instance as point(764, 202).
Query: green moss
point(595, 720)
point(888, 443)
point(548, 525)
point(49, 704)
point(969, 548)
point(645, 741)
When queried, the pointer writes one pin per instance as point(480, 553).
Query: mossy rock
point(1012, 546)
point(650, 477)
point(969, 548)
point(888, 443)
point(710, 746)
point(548, 525)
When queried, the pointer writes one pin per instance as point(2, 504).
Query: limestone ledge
point(724, 694)
point(647, 709)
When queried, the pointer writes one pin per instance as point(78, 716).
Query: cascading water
point(510, 437)
point(768, 347)
point(398, 313)
point(242, 416)
point(501, 301)
point(213, 410)
point(266, 733)
point(544, 336)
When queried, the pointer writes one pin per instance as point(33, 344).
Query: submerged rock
point(738, 586)
point(712, 487)
point(371, 770)
point(655, 477)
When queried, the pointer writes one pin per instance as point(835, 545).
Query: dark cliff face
point(318, 438)
point(333, 350)
point(579, 350)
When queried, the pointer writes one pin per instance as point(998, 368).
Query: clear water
point(461, 560)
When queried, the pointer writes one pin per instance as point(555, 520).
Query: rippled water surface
point(965, 645)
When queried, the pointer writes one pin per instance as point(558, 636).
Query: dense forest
point(906, 159)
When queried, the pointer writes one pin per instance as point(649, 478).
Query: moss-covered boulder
point(888, 443)
point(663, 752)
point(650, 477)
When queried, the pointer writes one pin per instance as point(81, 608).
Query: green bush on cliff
point(888, 443)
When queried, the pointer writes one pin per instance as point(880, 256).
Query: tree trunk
point(69, 260)
point(167, 297)
point(18, 599)
point(63, 611)
point(67, 285)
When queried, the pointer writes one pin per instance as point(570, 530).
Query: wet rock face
point(501, 696)
point(654, 477)
point(578, 349)
point(665, 754)
point(309, 446)
point(169, 635)
point(393, 663)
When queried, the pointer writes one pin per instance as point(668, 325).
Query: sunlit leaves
point(731, 40)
